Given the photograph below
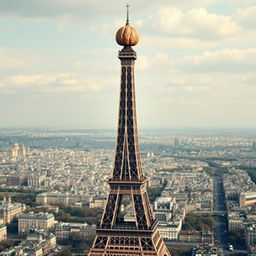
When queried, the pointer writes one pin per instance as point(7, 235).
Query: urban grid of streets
point(72, 161)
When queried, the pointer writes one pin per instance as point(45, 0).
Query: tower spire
point(127, 14)
point(127, 35)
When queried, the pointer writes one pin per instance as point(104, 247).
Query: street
point(221, 230)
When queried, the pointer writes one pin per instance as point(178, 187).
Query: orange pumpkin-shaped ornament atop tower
point(127, 35)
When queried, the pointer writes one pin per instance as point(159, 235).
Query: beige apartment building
point(8, 210)
point(98, 203)
point(64, 230)
point(35, 221)
point(250, 234)
point(247, 199)
point(3, 232)
point(57, 198)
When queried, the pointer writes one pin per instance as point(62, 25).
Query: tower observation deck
point(114, 235)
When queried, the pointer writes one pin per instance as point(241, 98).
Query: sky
point(59, 67)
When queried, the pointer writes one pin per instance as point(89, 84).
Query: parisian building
point(3, 232)
point(65, 230)
point(250, 234)
point(9, 210)
point(58, 198)
point(36, 244)
point(98, 203)
point(35, 221)
point(169, 227)
point(204, 237)
point(206, 250)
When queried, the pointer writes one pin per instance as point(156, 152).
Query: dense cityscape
point(184, 184)
point(201, 189)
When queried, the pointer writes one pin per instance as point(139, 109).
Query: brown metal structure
point(114, 235)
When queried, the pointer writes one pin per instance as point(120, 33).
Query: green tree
point(79, 243)
point(6, 244)
point(252, 174)
point(237, 238)
point(198, 222)
point(79, 214)
point(65, 252)
point(26, 198)
point(180, 251)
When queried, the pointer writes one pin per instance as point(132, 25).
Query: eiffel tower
point(116, 236)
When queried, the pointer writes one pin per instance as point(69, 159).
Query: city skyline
point(195, 63)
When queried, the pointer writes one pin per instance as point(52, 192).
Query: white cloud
point(10, 61)
point(160, 56)
point(85, 9)
point(185, 102)
point(225, 60)
point(243, 3)
point(143, 63)
point(168, 43)
point(190, 61)
point(51, 83)
point(197, 28)
point(209, 98)
point(2, 85)
point(194, 23)
point(249, 79)
point(246, 17)
point(27, 80)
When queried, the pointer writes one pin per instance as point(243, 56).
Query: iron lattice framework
point(114, 236)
